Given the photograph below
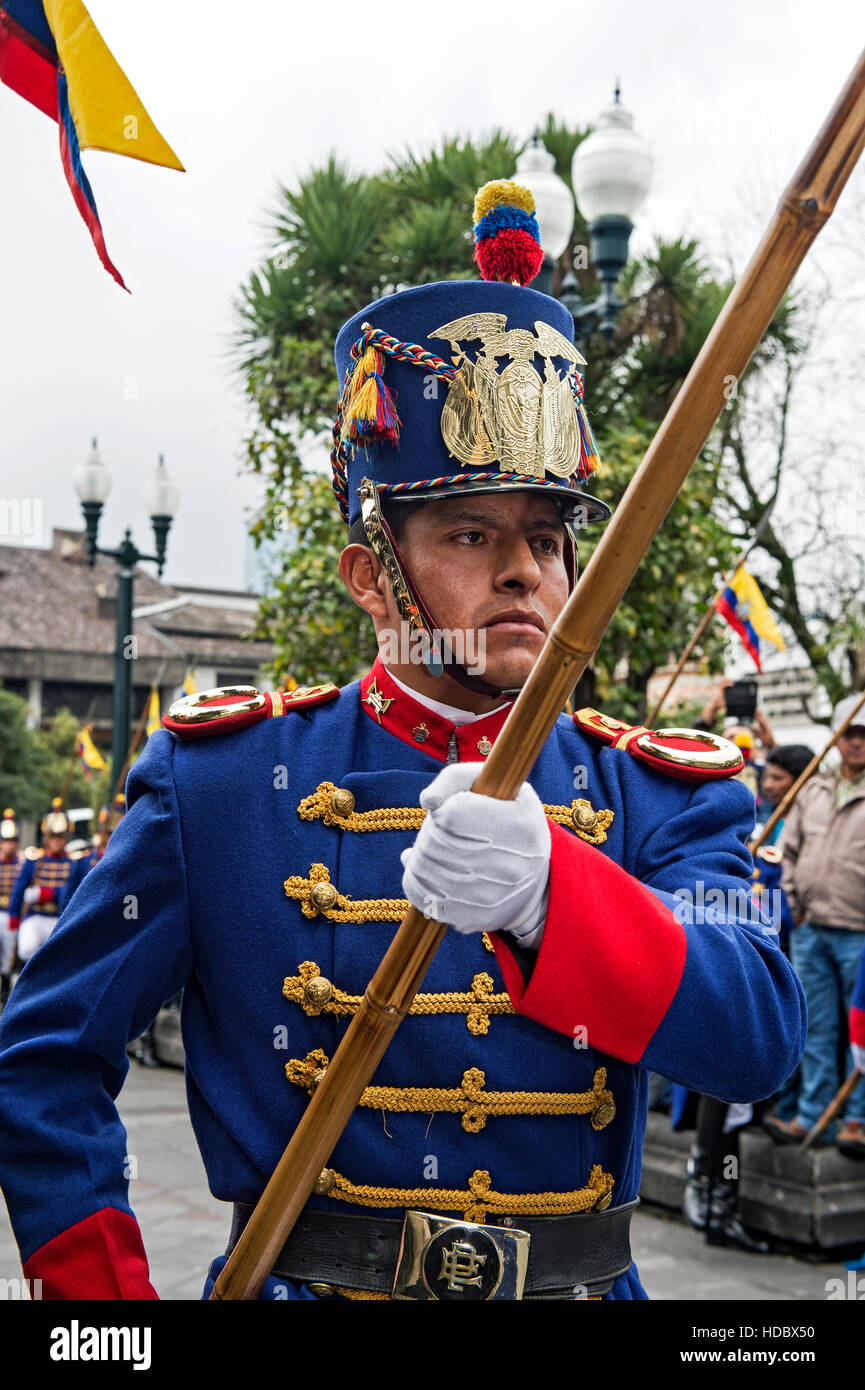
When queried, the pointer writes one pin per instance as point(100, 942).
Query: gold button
point(318, 990)
point(342, 804)
point(324, 1182)
point(322, 1290)
point(603, 1115)
point(317, 1078)
point(604, 1202)
point(323, 895)
point(584, 817)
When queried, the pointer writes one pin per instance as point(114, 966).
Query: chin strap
point(411, 607)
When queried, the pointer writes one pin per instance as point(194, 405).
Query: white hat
point(845, 707)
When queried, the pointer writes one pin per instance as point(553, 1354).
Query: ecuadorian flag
point(91, 758)
point(745, 609)
point(52, 54)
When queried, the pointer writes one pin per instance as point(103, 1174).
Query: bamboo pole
point(804, 207)
point(790, 796)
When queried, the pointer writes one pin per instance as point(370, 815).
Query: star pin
point(376, 701)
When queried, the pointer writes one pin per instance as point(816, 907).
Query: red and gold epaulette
point(237, 706)
point(688, 754)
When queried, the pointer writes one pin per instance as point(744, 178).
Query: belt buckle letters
point(458, 1261)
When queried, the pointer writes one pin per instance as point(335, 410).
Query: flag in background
point(91, 758)
point(154, 713)
point(745, 609)
point(189, 686)
point(52, 54)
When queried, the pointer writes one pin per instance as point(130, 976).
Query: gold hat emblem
point(525, 422)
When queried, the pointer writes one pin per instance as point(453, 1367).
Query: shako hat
point(460, 387)
point(56, 822)
point(9, 825)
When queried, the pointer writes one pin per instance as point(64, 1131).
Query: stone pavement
point(184, 1227)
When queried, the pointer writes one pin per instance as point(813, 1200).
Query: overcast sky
point(254, 94)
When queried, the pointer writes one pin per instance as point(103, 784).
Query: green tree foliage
point(34, 763)
point(341, 240)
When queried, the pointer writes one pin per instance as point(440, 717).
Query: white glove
point(858, 1056)
point(480, 864)
point(32, 894)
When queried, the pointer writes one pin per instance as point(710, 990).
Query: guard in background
point(11, 860)
point(36, 900)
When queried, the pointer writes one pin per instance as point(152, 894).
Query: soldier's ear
point(362, 574)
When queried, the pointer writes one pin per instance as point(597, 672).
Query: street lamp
point(554, 206)
point(610, 172)
point(93, 483)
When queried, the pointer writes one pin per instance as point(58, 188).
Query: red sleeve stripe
point(101, 1257)
point(857, 1026)
point(611, 957)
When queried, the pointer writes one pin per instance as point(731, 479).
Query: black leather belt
point(569, 1256)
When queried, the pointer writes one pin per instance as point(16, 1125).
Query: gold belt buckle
point(458, 1261)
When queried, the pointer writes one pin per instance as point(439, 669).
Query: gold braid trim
point(469, 1099)
point(340, 908)
point(478, 1004)
point(319, 807)
point(580, 816)
point(478, 1200)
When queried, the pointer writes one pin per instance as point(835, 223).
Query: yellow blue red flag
point(91, 758)
point(189, 686)
point(154, 714)
point(745, 609)
point(52, 54)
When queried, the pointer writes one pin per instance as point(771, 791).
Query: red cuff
point(857, 1026)
point(101, 1257)
point(611, 957)
point(14, 923)
point(46, 895)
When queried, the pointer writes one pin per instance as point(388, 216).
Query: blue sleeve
point(24, 879)
point(737, 1023)
point(122, 948)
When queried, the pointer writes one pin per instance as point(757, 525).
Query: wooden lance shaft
point(804, 208)
point(790, 796)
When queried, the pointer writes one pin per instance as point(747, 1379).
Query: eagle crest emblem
point(524, 421)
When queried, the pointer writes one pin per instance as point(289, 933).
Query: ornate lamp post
point(611, 171)
point(93, 483)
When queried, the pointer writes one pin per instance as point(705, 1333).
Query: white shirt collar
point(449, 712)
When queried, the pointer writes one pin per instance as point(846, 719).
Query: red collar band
point(407, 719)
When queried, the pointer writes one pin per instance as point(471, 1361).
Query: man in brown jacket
point(823, 844)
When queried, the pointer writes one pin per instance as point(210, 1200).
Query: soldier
point(10, 863)
point(109, 817)
point(260, 867)
point(37, 897)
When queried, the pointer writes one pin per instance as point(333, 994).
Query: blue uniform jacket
point(506, 1094)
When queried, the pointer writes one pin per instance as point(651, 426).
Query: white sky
point(728, 97)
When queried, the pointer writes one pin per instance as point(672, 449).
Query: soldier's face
point(55, 844)
point(493, 565)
